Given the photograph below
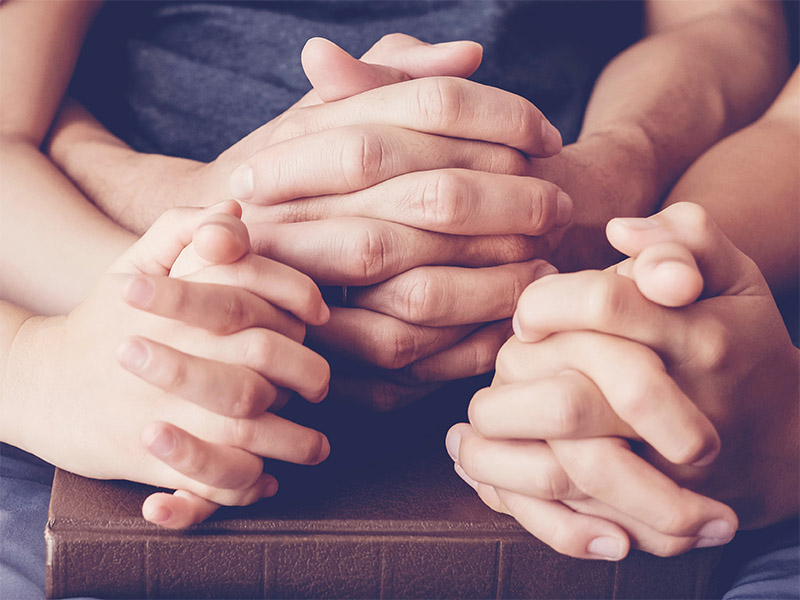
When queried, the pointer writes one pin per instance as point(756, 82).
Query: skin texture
point(195, 351)
point(615, 157)
point(631, 149)
point(681, 350)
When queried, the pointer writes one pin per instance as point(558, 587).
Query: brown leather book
point(386, 518)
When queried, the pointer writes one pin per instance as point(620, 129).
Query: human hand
point(192, 365)
point(707, 348)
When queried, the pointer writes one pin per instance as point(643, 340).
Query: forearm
point(691, 81)
point(750, 185)
point(132, 188)
point(53, 243)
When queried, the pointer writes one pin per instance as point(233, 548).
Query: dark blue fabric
point(191, 78)
point(24, 495)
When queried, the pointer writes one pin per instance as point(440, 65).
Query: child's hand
point(604, 357)
point(167, 381)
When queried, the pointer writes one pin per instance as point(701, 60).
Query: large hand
point(584, 374)
point(166, 381)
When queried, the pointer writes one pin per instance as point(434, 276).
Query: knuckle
point(234, 313)
point(562, 539)
point(194, 459)
point(666, 546)
point(481, 358)
point(176, 374)
point(694, 219)
point(507, 161)
point(366, 260)
point(398, 347)
point(524, 119)
point(570, 413)
point(444, 200)
point(246, 403)
point(439, 101)
point(638, 395)
point(259, 349)
point(711, 346)
point(676, 521)
point(240, 432)
point(538, 212)
point(419, 298)
point(556, 485)
point(588, 474)
point(289, 125)
point(361, 158)
point(605, 301)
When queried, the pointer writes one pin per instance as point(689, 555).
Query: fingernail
point(139, 292)
point(551, 138)
point(467, 479)
point(636, 223)
point(133, 355)
point(607, 548)
point(163, 444)
point(242, 183)
point(270, 489)
point(563, 209)
point(706, 459)
point(714, 533)
point(160, 515)
point(452, 443)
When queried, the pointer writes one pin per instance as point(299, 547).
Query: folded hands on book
point(167, 372)
point(602, 427)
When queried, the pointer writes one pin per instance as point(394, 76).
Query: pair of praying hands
point(608, 405)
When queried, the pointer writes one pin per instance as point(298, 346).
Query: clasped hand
point(623, 397)
point(170, 380)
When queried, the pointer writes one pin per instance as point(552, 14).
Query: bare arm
point(704, 69)
point(52, 238)
point(750, 184)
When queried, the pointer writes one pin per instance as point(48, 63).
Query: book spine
point(352, 566)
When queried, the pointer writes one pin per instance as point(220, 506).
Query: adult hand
point(189, 365)
point(728, 352)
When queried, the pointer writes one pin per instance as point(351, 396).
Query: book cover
point(386, 518)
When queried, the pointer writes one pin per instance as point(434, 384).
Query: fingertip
point(607, 547)
point(155, 511)
point(222, 240)
point(270, 486)
point(673, 284)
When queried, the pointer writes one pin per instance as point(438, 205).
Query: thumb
point(725, 270)
point(665, 273)
point(336, 75)
point(219, 235)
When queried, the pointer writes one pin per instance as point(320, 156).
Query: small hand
point(214, 355)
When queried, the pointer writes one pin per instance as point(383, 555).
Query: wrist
point(607, 174)
point(18, 362)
